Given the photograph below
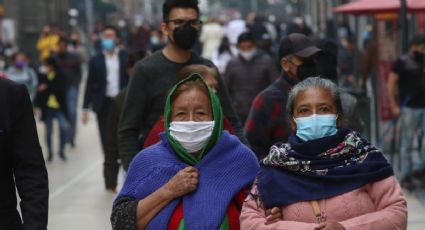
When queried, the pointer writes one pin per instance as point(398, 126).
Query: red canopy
point(379, 6)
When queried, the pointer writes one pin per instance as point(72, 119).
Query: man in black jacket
point(107, 77)
point(155, 75)
point(21, 162)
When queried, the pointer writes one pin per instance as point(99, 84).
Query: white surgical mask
point(247, 55)
point(43, 69)
point(192, 135)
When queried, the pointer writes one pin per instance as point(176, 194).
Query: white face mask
point(192, 135)
point(247, 55)
point(43, 69)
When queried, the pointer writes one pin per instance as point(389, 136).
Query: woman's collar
point(315, 147)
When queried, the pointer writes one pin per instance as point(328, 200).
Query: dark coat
point(21, 162)
point(70, 65)
point(246, 79)
point(56, 87)
point(95, 94)
point(111, 165)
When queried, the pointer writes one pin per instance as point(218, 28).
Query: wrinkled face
point(246, 46)
point(191, 105)
point(313, 101)
point(179, 17)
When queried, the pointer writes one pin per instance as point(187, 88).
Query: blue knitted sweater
point(225, 170)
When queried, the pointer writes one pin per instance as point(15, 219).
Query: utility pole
point(404, 26)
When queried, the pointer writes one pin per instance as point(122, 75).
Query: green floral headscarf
point(217, 116)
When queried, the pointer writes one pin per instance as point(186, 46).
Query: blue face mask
point(316, 126)
point(108, 44)
point(154, 40)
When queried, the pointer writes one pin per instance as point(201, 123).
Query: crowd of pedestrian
point(243, 124)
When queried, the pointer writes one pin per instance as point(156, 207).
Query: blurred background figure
point(20, 71)
point(107, 75)
point(51, 99)
point(327, 63)
point(111, 164)
point(211, 37)
point(75, 46)
point(406, 87)
point(95, 37)
point(234, 28)
point(139, 38)
point(248, 74)
point(346, 63)
point(298, 25)
point(257, 27)
point(7, 34)
point(157, 40)
point(48, 42)
point(70, 66)
point(222, 55)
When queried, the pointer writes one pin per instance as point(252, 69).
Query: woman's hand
point(330, 226)
point(184, 182)
point(273, 215)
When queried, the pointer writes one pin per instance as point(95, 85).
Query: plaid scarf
point(352, 150)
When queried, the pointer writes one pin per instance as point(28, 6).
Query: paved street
point(78, 199)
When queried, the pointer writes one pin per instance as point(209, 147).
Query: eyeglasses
point(299, 60)
point(181, 22)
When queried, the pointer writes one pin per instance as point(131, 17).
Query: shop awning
point(379, 6)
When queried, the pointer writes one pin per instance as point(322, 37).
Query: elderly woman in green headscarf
point(196, 177)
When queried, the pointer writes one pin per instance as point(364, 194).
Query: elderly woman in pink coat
point(326, 177)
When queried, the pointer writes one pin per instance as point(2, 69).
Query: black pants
point(102, 121)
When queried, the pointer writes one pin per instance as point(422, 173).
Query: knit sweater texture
point(225, 170)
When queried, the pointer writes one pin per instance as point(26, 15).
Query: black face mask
point(418, 57)
point(306, 69)
point(185, 36)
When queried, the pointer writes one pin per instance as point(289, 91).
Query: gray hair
point(313, 82)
